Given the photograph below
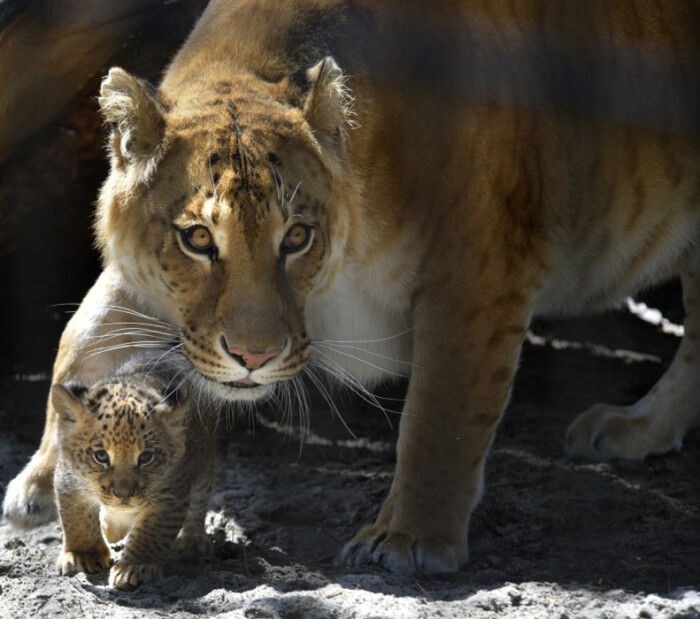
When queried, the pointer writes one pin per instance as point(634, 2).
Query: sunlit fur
point(133, 464)
point(463, 165)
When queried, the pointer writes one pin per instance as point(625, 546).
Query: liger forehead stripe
point(210, 212)
point(215, 212)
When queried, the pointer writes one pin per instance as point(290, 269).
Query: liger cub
point(379, 187)
point(134, 463)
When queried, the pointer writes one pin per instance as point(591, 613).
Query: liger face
point(230, 237)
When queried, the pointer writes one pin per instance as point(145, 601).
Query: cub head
point(122, 440)
point(221, 212)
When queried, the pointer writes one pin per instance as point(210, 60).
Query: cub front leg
point(147, 546)
point(193, 538)
point(465, 352)
point(29, 499)
point(658, 422)
point(84, 549)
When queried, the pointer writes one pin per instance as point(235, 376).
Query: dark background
point(52, 57)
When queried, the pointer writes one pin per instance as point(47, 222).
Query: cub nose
point(124, 488)
point(250, 359)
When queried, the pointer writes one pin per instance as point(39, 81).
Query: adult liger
point(417, 180)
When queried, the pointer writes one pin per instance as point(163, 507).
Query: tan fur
point(474, 164)
point(124, 418)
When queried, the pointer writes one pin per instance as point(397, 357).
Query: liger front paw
point(97, 560)
point(128, 576)
point(402, 553)
point(28, 504)
point(607, 432)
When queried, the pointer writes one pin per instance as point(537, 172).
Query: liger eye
point(145, 457)
point(101, 457)
point(198, 239)
point(296, 239)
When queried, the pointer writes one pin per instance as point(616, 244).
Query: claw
point(401, 553)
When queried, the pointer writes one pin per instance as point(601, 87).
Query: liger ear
point(132, 107)
point(327, 107)
point(67, 403)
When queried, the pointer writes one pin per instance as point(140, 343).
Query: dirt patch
point(551, 538)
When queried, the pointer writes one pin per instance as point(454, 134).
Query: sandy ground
point(551, 538)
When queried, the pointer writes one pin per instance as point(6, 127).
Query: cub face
point(218, 210)
point(122, 442)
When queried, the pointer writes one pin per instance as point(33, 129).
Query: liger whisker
point(373, 341)
point(361, 360)
point(338, 348)
point(354, 385)
point(133, 312)
point(325, 394)
point(105, 349)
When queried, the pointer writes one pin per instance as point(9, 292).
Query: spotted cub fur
point(134, 462)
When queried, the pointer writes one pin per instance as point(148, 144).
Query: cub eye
point(198, 239)
point(101, 457)
point(145, 457)
point(296, 239)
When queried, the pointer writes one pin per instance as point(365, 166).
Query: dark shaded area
point(10, 8)
point(48, 186)
point(47, 191)
point(51, 49)
point(559, 61)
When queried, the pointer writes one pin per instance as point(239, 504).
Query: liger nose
point(251, 360)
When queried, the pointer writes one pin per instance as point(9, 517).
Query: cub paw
point(402, 553)
point(69, 563)
point(193, 544)
point(128, 576)
point(28, 503)
point(607, 432)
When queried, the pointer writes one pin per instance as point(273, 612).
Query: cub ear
point(328, 105)
point(66, 401)
point(172, 414)
point(132, 107)
point(179, 396)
